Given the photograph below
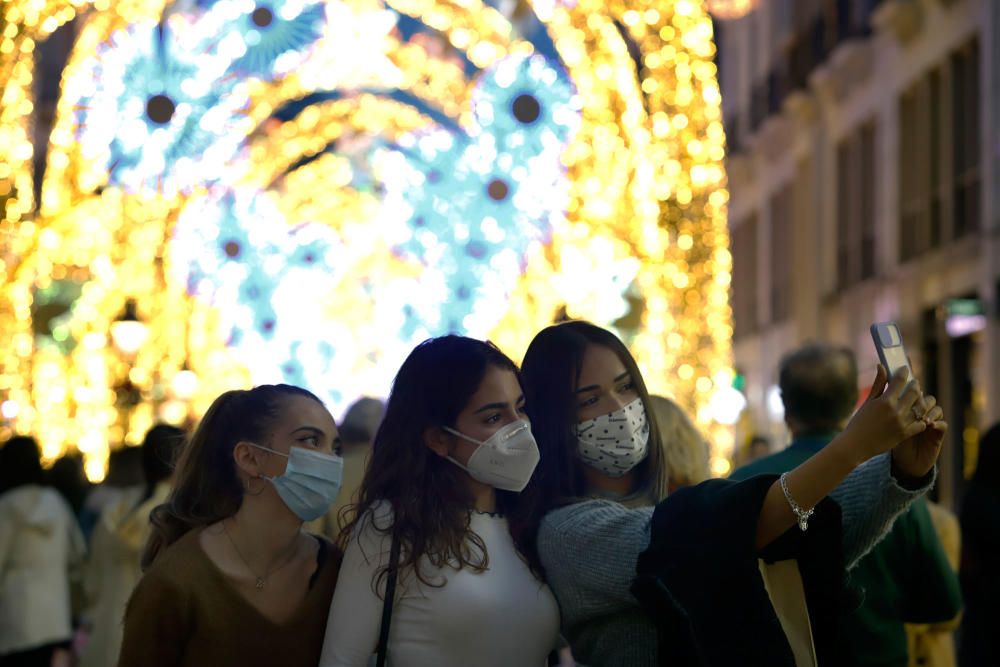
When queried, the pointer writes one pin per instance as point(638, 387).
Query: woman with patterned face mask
point(699, 578)
point(230, 576)
point(452, 452)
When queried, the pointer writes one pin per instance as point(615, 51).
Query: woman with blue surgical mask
point(431, 526)
point(230, 576)
point(644, 579)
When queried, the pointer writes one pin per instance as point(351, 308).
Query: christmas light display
point(300, 191)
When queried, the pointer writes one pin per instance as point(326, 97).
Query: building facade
point(864, 167)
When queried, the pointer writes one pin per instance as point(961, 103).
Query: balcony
point(806, 51)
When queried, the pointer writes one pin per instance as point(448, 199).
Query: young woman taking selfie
point(597, 517)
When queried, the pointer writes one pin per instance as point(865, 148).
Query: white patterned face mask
point(615, 443)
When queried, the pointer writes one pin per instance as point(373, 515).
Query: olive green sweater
point(185, 613)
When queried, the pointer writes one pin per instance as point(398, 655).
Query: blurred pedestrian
point(41, 549)
point(685, 447)
point(980, 518)
point(112, 569)
point(760, 446)
point(124, 473)
point(67, 476)
point(933, 644)
point(906, 577)
point(357, 431)
point(230, 576)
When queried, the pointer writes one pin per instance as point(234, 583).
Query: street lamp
point(128, 332)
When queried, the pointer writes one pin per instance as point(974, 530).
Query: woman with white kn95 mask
point(431, 575)
point(722, 573)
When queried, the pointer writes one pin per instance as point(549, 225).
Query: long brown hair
point(430, 503)
point(207, 487)
point(550, 373)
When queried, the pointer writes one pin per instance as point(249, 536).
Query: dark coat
point(700, 581)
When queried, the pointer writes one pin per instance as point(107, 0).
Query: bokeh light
point(336, 181)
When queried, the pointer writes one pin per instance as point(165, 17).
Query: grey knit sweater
point(589, 550)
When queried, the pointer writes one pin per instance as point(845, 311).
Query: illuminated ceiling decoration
point(300, 191)
point(155, 109)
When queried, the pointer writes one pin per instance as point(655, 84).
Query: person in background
point(685, 447)
point(906, 577)
point(357, 431)
point(933, 645)
point(759, 447)
point(41, 548)
point(124, 473)
point(230, 577)
point(112, 569)
point(67, 476)
point(980, 572)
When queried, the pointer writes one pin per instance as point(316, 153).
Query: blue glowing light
point(154, 110)
point(461, 205)
point(473, 202)
point(275, 35)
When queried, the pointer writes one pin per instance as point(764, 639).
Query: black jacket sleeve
point(700, 580)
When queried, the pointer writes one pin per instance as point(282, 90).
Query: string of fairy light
point(642, 221)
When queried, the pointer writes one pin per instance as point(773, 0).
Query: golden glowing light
point(642, 246)
point(731, 9)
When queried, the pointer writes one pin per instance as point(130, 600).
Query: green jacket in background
point(906, 578)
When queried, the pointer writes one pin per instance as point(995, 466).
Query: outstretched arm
point(887, 419)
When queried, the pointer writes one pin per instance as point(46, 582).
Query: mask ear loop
point(459, 434)
point(262, 478)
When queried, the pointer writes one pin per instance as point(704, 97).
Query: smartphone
point(889, 345)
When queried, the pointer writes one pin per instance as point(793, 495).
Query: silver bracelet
point(800, 514)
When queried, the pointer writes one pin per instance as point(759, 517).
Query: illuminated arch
point(393, 197)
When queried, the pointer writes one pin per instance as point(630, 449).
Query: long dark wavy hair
point(206, 486)
point(550, 374)
point(430, 503)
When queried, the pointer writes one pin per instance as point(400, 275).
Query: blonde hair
point(685, 447)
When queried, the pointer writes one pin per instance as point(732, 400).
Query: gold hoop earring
point(250, 491)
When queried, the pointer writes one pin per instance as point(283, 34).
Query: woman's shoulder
point(379, 515)
point(589, 510)
point(582, 525)
point(181, 565)
point(328, 553)
point(373, 523)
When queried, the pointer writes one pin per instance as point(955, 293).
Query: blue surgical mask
point(310, 483)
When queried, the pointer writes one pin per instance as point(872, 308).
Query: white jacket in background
point(112, 570)
point(40, 543)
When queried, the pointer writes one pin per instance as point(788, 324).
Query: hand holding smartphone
point(891, 353)
point(889, 345)
point(916, 456)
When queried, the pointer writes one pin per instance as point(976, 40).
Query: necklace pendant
point(260, 584)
